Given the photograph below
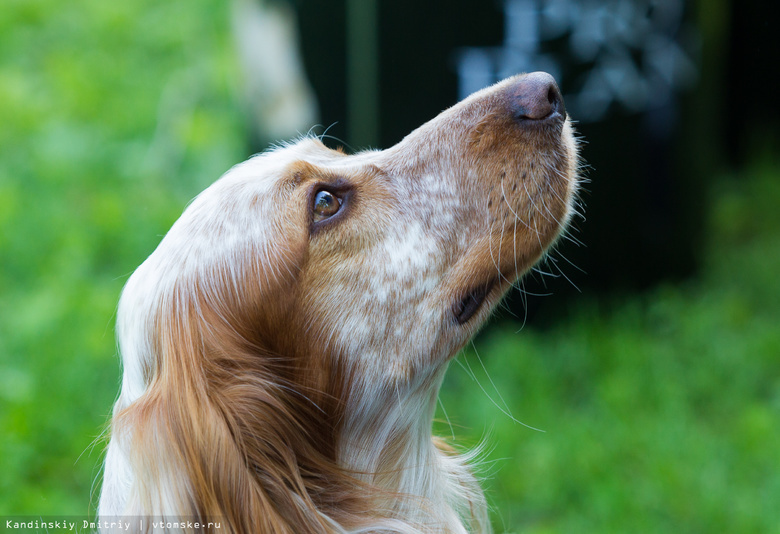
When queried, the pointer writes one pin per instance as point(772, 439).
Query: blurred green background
point(660, 410)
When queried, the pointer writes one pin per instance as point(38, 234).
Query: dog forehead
point(308, 149)
point(275, 170)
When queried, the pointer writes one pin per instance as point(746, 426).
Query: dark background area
point(649, 170)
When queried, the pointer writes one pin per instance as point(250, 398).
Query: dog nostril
point(553, 98)
point(536, 97)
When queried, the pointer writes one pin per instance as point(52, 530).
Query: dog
point(284, 345)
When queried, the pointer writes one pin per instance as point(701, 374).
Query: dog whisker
point(503, 409)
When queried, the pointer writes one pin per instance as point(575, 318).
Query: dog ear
point(223, 433)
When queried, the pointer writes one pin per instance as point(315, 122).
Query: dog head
point(309, 293)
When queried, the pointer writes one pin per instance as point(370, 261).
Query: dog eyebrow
point(300, 171)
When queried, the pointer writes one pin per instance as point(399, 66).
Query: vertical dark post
point(362, 73)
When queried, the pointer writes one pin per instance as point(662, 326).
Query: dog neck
point(387, 443)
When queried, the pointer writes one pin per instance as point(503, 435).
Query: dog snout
point(536, 97)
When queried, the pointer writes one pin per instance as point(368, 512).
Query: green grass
point(113, 115)
point(660, 411)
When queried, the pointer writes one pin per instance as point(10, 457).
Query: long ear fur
point(221, 434)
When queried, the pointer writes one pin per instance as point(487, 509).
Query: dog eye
point(326, 205)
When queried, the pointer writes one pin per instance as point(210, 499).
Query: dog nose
point(536, 97)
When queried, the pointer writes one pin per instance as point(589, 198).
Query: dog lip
point(464, 308)
point(554, 117)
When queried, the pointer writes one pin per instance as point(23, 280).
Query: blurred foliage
point(660, 411)
point(113, 115)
